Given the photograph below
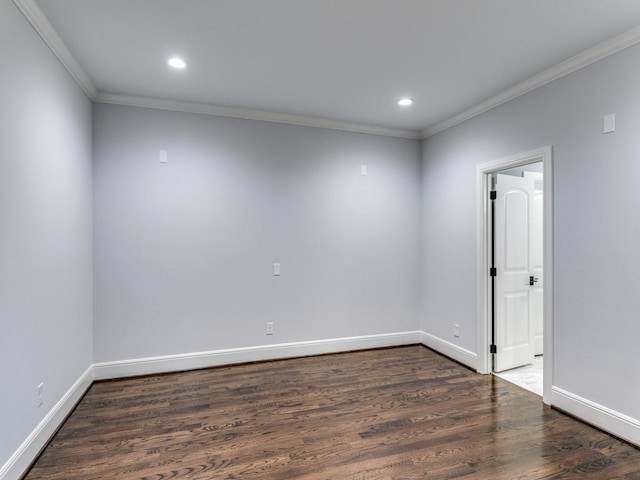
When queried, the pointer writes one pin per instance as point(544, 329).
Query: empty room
point(313, 239)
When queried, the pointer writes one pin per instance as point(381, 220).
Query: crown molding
point(249, 114)
point(572, 64)
point(38, 20)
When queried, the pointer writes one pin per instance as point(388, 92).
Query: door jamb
point(483, 174)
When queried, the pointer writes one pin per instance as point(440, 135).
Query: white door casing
point(483, 238)
point(514, 330)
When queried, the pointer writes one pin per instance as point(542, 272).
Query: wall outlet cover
point(609, 123)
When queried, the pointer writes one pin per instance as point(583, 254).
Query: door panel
point(512, 221)
point(516, 241)
point(516, 333)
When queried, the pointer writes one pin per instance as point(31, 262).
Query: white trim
point(21, 460)
point(483, 171)
point(547, 275)
point(605, 418)
point(40, 23)
point(249, 114)
point(572, 64)
point(190, 361)
point(36, 17)
point(449, 349)
point(609, 420)
point(38, 20)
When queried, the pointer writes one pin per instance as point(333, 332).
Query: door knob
point(532, 280)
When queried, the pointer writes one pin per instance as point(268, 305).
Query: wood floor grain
point(393, 414)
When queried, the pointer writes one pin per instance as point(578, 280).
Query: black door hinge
point(493, 349)
point(493, 195)
point(493, 272)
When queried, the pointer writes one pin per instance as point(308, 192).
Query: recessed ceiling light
point(176, 62)
point(405, 102)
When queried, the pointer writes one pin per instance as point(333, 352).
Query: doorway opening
point(515, 268)
point(517, 281)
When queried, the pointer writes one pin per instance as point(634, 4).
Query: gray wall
point(45, 230)
point(184, 250)
point(596, 223)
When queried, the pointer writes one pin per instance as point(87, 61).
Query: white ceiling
point(343, 60)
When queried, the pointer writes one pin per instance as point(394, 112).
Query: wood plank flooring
point(393, 414)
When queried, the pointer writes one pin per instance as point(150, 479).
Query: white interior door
point(537, 261)
point(514, 329)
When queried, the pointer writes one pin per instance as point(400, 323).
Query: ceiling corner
point(34, 15)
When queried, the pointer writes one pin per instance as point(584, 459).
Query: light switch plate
point(276, 269)
point(163, 158)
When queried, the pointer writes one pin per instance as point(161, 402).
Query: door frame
point(483, 245)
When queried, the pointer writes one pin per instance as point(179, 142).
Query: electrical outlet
point(40, 392)
point(456, 330)
point(269, 328)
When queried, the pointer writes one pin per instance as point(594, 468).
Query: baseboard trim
point(21, 460)
point(190, 361)
point(459, 354)
point(600, 416)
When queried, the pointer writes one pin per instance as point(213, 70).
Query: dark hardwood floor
point(393, 414)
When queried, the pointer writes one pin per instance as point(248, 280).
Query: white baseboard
point(190, 361)
point(20, 461)
point(455, 352)
point(609, 420)
point(31, 447)
point(602, 417)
